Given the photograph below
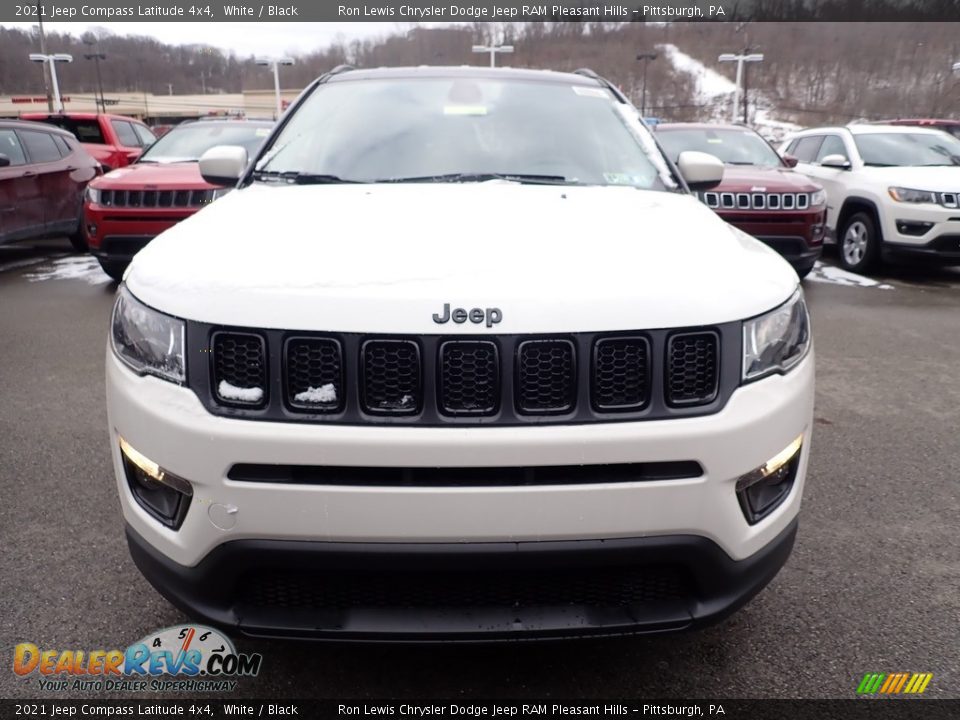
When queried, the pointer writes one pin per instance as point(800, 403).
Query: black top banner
point(100, 11)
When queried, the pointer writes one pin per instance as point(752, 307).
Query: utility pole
point(43, 51)
point(646, 57)
point(740, 59)
point(493, 50)
point(275, 64)
point(51, 60)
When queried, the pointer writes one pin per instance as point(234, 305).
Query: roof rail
point(341, 69)
point(587, 72)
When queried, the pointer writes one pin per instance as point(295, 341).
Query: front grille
point(314, 374)
point(391, 377)
point(692, 368)
point(239, 369)
point(602, 587)
point(546, 376)
point(469, 377)
point(478, 379)
point(755, 201)
point(155, 198)
point(621, 373)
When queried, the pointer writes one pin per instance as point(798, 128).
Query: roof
point(702, 126)
point(75, 116)
point(30, 125)
point(467, 71)
point(917, 121)
point(866, 129)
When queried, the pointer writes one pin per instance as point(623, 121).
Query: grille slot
point(692, 368)
point(613, 586)
point(391, 377)
point(239, 369)
point(621, 373)
point(314, 374)
point(469, 377)
point(546, 376)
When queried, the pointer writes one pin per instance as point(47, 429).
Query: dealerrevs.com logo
point(182, 658)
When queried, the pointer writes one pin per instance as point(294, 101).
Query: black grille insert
point(391, 377)
point(602, 587)
point(466, 476)
point(469, 377)
point(546, 376)
point(692, 368)
point(621, 373)
point(239, 367)
point(314, 374)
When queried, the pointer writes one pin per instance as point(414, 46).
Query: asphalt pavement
point(873, 584)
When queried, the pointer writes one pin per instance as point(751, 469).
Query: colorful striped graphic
point(894, 683)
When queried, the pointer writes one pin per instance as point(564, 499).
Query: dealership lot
point(871, 586)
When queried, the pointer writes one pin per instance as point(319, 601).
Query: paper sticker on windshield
point(465, 110)
point(261, 132)
point(590, 92)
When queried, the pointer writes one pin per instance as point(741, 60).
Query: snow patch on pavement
point(837, 276)
point(83, 267)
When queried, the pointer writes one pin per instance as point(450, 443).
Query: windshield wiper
point(483, 177)
point(295, 177)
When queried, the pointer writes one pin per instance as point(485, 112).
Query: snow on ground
point(836, 276)
point(73, 267)
point(716, 89)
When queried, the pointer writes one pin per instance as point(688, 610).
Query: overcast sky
point(243, 38)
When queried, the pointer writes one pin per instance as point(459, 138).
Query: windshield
point(461, 129)
point(733, 147)
point(189, 142)
point(908, 149)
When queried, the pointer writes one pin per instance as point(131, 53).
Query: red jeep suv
point(760, 194)
point(125, 209)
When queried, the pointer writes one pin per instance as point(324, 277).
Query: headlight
point(93, 195)
point(912, 196)
point(146, 340)
point(776, 341)
point(818, 198)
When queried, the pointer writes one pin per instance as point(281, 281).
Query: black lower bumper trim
point(944, 250)
point(462, 592)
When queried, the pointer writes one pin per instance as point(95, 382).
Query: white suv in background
point(891, 190)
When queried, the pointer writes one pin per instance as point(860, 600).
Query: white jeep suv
point(891, 190)
point(460, 358)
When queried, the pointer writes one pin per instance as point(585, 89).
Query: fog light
point(760, 491)
point(161, 493)
point(912, 227)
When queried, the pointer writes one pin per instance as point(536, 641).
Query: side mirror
point(4, 160)
point(701, 171)
point(835, 161)
point(790, 160)
point(223, 164)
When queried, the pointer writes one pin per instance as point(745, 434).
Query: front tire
point(113, 268)
point(859, 243)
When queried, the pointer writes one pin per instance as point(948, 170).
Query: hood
point(940, 179)
point(385, 258)
point(154, 176)
point(741, 178)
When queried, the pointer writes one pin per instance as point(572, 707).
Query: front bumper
point(796, 235)
point(118, 234)
point(694, 522)
point(940, 243)
point(271, 588)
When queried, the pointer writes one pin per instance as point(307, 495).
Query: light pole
point(493, 50)
point(53, 60)
point(646, 57)
point(275, 63)
point(740, 59)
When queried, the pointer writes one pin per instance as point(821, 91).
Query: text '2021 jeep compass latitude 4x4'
point(460, 358)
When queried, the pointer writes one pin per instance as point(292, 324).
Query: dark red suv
point(760, 194)
point(43, 174)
